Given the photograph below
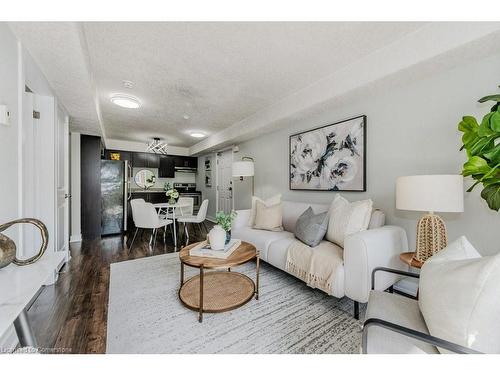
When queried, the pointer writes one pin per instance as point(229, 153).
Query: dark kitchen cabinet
point(153, 160)
point(167, 167)
point(145, 160)
point(140, 160)
point(187, 162)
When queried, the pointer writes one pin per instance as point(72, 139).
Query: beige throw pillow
point(347, 218)
point(459, 299)
point(268, 217)
point(268, 202)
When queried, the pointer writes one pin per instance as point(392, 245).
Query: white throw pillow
point(268, 202)
point(268, 217)
point(347, 218)
point(459, 297)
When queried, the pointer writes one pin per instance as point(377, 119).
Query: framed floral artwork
point(330, 158)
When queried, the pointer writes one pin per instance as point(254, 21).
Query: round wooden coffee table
point(220, 290)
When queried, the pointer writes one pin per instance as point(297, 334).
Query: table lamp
point(430, 193)
point(244, 168)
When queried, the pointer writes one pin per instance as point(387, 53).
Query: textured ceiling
point(57, 48)
point(216, 73)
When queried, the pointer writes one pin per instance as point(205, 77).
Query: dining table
point(167, 208)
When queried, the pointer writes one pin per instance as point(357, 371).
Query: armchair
point(392, 332)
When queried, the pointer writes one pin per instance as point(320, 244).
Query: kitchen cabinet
point(167, 167)
point(153, 160)
point(185, 162)
point(139, 160)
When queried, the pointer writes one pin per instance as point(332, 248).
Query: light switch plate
point(4, 115)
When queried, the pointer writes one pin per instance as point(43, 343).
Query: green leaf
point(495, 121)
point(468, 124)
point(485, 129)
point(494, 154)
point(495, 97)
point(482, 145)
point(475, 166)
point(491, 194)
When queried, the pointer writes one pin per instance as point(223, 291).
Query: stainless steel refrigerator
point(114, 196)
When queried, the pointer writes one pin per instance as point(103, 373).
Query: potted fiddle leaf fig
point(482, 144)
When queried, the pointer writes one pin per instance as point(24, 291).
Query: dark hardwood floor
point(71, 315)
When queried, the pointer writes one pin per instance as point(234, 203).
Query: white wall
point(18, 69)
point(75, 189)
point(412, 129)
point(9, 134)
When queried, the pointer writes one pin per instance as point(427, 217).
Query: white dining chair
point(198, 219)
point(145, 217)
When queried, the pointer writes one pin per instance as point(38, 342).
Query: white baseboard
point(75, 238)
point(9, 340)
point(212, 219)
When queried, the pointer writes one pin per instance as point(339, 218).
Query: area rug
point(146, 316)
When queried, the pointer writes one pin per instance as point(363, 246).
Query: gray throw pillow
point(311, 228)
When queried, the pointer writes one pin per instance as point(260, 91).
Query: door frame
point(62, 119)
point(231, 148)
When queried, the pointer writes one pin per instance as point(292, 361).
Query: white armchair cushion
point(398, 310)
point(347, 218)
point(458, 297)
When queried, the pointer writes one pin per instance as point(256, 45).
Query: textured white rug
point(146, 316)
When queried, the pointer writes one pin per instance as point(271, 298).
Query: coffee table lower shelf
point(221, 291)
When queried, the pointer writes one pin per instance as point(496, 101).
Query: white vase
point(217, 238)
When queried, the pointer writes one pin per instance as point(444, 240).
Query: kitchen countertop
point(147, 191)
point(160, 191)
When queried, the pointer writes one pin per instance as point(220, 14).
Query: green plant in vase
point(226, 222)
point(482, 144)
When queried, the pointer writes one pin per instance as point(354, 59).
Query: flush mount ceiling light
point(185, 117)
point(125, 101)
point(197, 135)
point(157, 146)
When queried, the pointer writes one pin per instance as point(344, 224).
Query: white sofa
point(379, 246)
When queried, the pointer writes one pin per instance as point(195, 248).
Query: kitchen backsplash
point(160, 182)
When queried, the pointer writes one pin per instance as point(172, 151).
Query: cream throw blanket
point(316, 266)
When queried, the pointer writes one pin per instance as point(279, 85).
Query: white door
point(62, 187)
point(224, 181)
point(37, 170)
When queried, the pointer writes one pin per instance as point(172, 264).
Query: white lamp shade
point(432, 193)
point(243, 168)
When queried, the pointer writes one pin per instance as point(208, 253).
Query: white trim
point(211, 219)
point(76, 238)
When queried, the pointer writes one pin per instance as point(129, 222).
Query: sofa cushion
point(275, 199)
point(292, 211)
point(268, 217)
point(311, 228)
point(398, 310)
point(347, 218)
point(261, 239)
point(458, 297)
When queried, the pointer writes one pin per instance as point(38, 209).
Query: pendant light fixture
point(157, 146)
